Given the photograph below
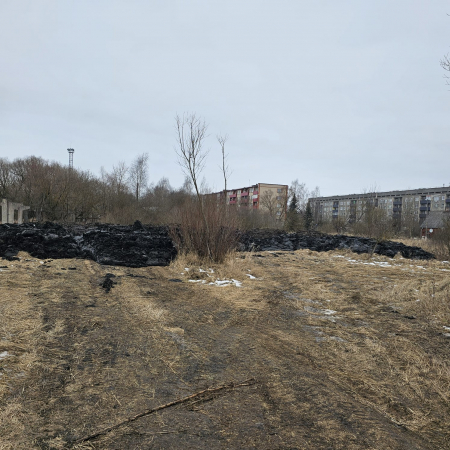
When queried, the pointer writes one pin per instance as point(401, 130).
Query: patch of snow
point(221, 282)
point(447, 328)
point(224, 283)
point(42, 262)
point(3, 355)
point(251, 276)
point(186, 269)
point(329, 312)
point(446, 334)
point(197, 281)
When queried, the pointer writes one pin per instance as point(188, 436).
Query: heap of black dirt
point(131, 246)
point(266, 240)
point(141, 246)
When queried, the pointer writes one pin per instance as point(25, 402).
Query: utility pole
point(71, 152)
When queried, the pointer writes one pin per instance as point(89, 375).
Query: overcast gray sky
point(340, 94)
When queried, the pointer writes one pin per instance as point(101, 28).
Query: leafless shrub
point(213, 241)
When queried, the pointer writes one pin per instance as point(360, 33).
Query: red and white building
point(261, 196)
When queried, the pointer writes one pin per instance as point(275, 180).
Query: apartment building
point(414, 203)
point(261, 196)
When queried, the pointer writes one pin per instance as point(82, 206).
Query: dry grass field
point(346, 352)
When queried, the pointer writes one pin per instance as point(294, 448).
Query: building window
point(279, 190)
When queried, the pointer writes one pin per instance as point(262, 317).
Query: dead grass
point(344, 353)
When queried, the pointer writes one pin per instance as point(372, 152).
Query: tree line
point(55, 192)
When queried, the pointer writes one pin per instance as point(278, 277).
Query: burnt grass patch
point(143, 246)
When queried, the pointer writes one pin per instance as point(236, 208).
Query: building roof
point(420, 191)
point(435, 219)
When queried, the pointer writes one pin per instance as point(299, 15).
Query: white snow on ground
point(221, 283)
point(227, 283)
point(251, 276)
point(447, 328)
point(386, 264)
point(3, 355)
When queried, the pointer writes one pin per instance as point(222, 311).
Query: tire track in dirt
point(91, 370)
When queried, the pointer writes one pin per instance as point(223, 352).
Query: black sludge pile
point(264, 240)
point(131, 246)
point(141, 246)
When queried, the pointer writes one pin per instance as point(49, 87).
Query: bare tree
point(222, 139)
point(301, 194)
point(191, 133)
point(138, 175)
point(445, 64)
point(119, 177)
point(268, 202)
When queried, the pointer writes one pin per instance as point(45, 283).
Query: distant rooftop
point(419, 191)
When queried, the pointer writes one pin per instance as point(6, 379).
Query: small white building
point(11, 212)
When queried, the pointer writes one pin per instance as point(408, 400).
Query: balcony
point(244, 194)
point(447, 200)
point(232, 202)
point(425, 202)
point(422, 216)
point(424, 208)
point(397, 209)
point(397, 202)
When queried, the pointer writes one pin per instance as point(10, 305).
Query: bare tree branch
point(222, 139)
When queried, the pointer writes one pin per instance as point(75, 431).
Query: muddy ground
point(347, 352)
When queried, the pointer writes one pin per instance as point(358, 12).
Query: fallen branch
point(231, 385)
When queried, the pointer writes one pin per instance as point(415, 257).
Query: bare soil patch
point(348, 352)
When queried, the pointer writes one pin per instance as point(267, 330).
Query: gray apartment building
point(416, 203)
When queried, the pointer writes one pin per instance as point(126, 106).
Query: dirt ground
point(346, 352)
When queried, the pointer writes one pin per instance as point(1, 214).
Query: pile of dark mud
point(267, 240)
point(141, 246)
point(131, 246)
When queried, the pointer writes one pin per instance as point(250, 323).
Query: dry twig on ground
point(231, 385)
